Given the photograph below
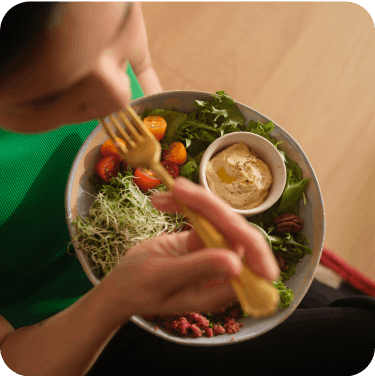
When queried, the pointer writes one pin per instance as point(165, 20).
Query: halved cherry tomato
point(145, 179)
point(108, 167)
point(172, 168)
point(109, 149)
point(157, 125)
point(176, 153)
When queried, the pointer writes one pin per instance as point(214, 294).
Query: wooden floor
point(310, 67)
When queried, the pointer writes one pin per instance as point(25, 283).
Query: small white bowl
point(266, 152)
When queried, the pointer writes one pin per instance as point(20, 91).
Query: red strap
point(351, 275)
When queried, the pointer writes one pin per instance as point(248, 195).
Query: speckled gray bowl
point(79, 199)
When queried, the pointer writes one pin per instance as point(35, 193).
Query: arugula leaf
point(164, 147)
point(192, 116)
point(294, 188)
point(145, 113)
point(198, 158)
point(261, 129)
point(266, 236)
point(196, 135)
point(288, 247)
point(190, 127)
point(213, 118)
point(264, 130)
point(96, 181)
point(286, 295)
point(287, 273)
point(293, 250)
point(265, 219)
point(223, 111)
point(188, 169)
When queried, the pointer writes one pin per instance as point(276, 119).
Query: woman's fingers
point(201, 299)
point(196, 280)
point(177, 244)
point(205, 285)
point(195, 268)
point(164, 201)
point(237, 231)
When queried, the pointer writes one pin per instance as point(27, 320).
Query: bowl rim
point(216, 147)
point(138, 320)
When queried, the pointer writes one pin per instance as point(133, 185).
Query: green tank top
point(38, 276)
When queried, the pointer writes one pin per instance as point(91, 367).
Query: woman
point(65, 64)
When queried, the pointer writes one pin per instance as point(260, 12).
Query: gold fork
point(257, 296)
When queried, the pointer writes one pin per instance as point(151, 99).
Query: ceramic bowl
point(266, 152)
point(79, 198)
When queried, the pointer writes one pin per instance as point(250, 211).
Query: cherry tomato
point(108, 167)
point(172, 168)
point(157, 125)
point(176, 153)
point(109, 148)
point(145, 179)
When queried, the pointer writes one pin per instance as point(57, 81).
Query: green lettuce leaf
point(286, 295)
point(287, 273)
point(293, 249)
point(197, 136)
point(294, 188)
point(260, 129)
point(96, 181)
point(288, 247)
point(222, 112)
point(188, 170)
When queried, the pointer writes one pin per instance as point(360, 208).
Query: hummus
point(239, 176)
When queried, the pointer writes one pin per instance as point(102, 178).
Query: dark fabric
point(335, 338)
point(320, 295)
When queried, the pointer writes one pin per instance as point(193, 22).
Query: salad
point(122, 214)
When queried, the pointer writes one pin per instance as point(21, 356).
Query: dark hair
point(20, 32)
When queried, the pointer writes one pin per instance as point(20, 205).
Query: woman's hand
point(176, 272)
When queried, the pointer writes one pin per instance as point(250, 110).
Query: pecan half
point(288, 223)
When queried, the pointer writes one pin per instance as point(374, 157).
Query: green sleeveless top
point(38, 276)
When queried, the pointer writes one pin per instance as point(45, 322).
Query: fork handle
point(257, 295)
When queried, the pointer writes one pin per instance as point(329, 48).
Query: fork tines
point(132, 133)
